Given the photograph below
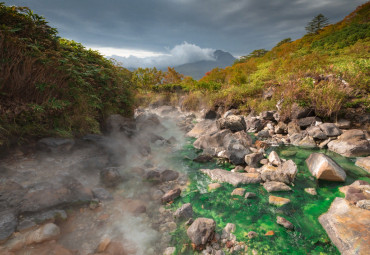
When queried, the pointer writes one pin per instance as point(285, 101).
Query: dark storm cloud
point(237, 26)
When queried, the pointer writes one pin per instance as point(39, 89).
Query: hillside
point(51, 86)
point(198, 69)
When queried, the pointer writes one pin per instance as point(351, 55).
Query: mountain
point(199, 68)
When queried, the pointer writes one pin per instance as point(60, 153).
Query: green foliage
point(317, 24)
point(69, 88)
point(254, 54)
point(284, 41)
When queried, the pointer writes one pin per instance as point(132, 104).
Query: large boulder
point(308, 121)
point(284, 173)
point(272, 186)
point(235, 153)
point(233, 122)
point(324, 168)
point(185, 211)
point(330, 129)
point(297, 112)
point(347, 227)
point(212, 140)
point(232, 178)
point(351, 143)
point(203, 127)
point(239, 137)
point(61, 191)
point(364, 163)
point(118, 124)
point(253, 124)
point(201, 231)
point(316, 133)
point(253, 159)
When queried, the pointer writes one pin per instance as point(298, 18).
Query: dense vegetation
point(327, 70)
point(53, 86)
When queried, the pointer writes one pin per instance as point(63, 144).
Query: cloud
point(236, 26)
point(178, 55)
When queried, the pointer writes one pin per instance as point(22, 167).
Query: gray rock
point(201, 231)
point(347, 227)
point(118, 124)
point(202, 128)
point(330, 129)
point(285, 173)
point(61, 191)
point(254, 125)
point(324, 168)
point(111, 176)
point(210, 114)
point(153, 176)
point(363, 204)
point(253, 159)
point(298, 112)
point(264, 134)
point(229, 228)
point(308, 121)
point(56, 145)
point(307, 142)
point(352, 143)
point(235, 153)
point(203, 158)
point(343, 124)
point(102, 194)
point(284, 222)
point(317, 133)
point(274, 158)
point(311, 191)
point(293, 127)
point(276, 186)
point(281, 128)
point(235, 179)
point(8, 224)
point(233, 122)
point(267, 115)
point(171, 195)
point(169, 251)
point(185, 211)
point(213, 140)
point(364, 163)
point(169, 175)
point(252, 234)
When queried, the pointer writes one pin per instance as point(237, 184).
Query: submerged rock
point(235, 179)
point(284, 222)
point(347, 227)
point(279, 201)
point(201, 231)
point(351, 143)
point(324, 168)
point(276, 186)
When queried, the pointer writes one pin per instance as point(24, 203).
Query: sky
point(169, 32)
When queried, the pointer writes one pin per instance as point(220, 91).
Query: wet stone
point(284, 222)
point(279, 201)
point(311, 191)
point(102, 194)
point(185, 211)
point(171, 195)
point(252, 234)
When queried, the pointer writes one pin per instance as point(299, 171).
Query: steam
point(178, 55)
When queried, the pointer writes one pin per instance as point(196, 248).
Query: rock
point(288, 153)
point(316, 133)
point(171, 195)
point(281, 128)
point(212, 140)
point(185, 211)
point(47, 232)
point(307, 142)
point(268, 93)
point(238, 169)
point(240, 137)
point(279, 201)
point(56, 145)
point(330, 129)
point(290, 169)
point(118, 124)
point(213, 186)
point(284, 222)
point(169, 175)
point(270, 233)
point(308, 121)
point(354, 195)
point(238, 192)
point(324, 168)
point(363, 204)
point(264, 161)
point(347, 227)
point(364, 163)
point(298, 112)
point(60, 191)
point(169, 251)
point(253, 159)
point(274, 158)
point(153, 176)
point(261, 145)
point(343, 124)
point(103, 244)
point(235, 179)
point(102, 194)
point(229, 228)
point(146, 121)
point(263, 134)
point(233, 122)
point(254, 125)
point(293, 128)
point(311, 191)
point(201, 128)
point(250, 195)
point(235, 153)
point(285, 173)
point(8, 224)
point(133, 206)
point(325, 143)
point(276, 186)
point(201, 231)
point(203, 158)
point(111, 176)
point(267, 115)
point(351, 143)
point(252, 234)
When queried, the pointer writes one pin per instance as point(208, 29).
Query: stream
point(129, 217)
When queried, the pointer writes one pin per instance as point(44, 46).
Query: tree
point(286, 40)
point(316, 24)
point(254, 54)
point(172, 77)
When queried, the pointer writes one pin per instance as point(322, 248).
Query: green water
point(257, 214)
